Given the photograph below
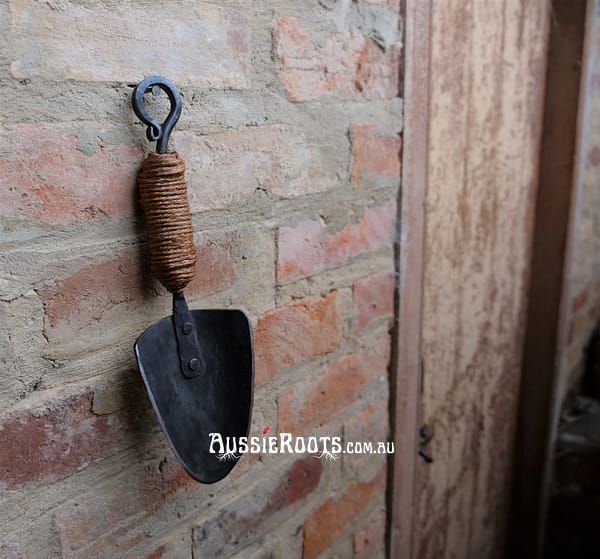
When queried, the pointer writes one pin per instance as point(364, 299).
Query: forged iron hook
point(157, 132)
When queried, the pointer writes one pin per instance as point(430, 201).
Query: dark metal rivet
point(187, 328)
point(193, 364)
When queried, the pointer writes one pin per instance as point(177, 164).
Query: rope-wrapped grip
point(164, 198)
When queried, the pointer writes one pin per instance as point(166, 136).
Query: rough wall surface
point(291, 133)
point(486, 97)
point(583, 307)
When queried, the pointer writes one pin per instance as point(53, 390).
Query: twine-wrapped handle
point(163, 193)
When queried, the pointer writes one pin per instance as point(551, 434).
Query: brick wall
point(290, 131)
point(583, 304)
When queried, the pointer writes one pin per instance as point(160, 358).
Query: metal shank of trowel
point(191, 360)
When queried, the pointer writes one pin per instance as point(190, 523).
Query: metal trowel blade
point(218, 400)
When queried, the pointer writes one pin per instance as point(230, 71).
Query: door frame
point(406, 361)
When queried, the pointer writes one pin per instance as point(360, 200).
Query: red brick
point(216, 266)
point(107, 520)
point(371, 424)
point(126, 278)
point(97, 286)
point(373, 297)
point(235, 525)
point(301, 479)
point(286, 336)
point(107, 43)
point(57, 439)
point(244, 465)
point(370, 542)
point(348, 64)
point(307, 406)
point(327, 523)
point(158, 553)
point(230, 166)
point(308, 248)
point(375, 157)
point(44, 177)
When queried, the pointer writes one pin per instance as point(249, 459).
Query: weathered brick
point(369, 543)
point(75, 296)
point(375, 157)
point(47, 176)
point(308, 405)
point(373, 297)
point(394, 4)
point(327, 523)
point(230, 166)
point(56, 438)
point(107, 520)
point(347, 64)
point(369, 425)
point(127, 278)
point(234, 526)
point(301, 479)
point(173, 543)
point(286, 336)
point(108, 297)
point(243, 466)
point(158, 553)
point(11, 548)
point(21, 363)
point(101, 299)
point(96, 287)
point(308, 248)
point(125, 42)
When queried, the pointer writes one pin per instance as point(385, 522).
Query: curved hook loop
point(157, 132)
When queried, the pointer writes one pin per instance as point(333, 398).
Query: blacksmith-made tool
point(197, 365)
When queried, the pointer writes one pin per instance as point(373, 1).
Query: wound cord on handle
point(164, 199)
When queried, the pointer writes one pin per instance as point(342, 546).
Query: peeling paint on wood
point(487, 85)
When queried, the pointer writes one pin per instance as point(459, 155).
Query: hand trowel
point(197, 365)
